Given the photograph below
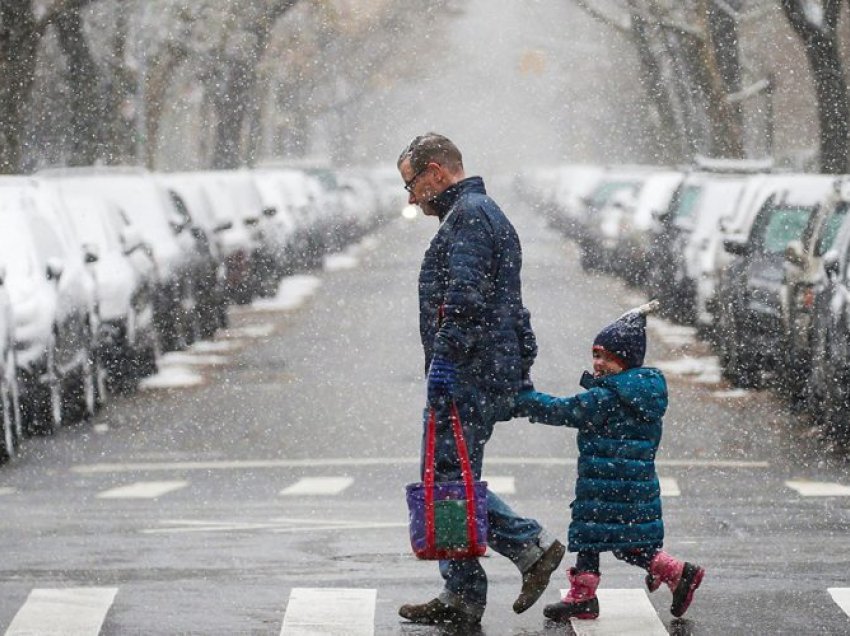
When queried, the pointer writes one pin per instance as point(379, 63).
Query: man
point(479, 348)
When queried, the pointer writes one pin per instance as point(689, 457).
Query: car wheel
point(46, 403)
point(8, 441)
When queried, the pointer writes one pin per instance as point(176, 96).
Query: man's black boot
point(435, 612)
point(536, 578)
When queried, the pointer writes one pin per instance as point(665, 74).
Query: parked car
point(124, 272)
point(12, 428)
point(617, 189)
point(803, 275)
point(166, 233)
point(828, 389)
point(53, 305)
point(750, 330)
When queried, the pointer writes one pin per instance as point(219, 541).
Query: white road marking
point(669, 487)
point(318, 486)
point(174, 377)
point(246, 464)
point(841, 596)
point(142, 490)
point(77, 611)
point(6, 490)
point(621, 612)
point(280, 525)
point(818, 488)
point(329, 612)
point(500, 485)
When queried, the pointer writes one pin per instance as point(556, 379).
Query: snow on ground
point(731, 394)
point(700, 369)
point(217, 346)
point(177, 358)
point(291, 293)
point(341, 261)
point(672, 334)
point(171, 377)
point(262, 330)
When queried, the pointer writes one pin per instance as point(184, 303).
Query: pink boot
point(580, 601)
point(681, 577)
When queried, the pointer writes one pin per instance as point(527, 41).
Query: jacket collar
point(444, 202)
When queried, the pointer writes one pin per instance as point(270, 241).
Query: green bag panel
point(450, 523)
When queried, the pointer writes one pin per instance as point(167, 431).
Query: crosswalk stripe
point(500, 485)
point(669, 487)
point(142, 490)
point(76, 611)
point(318, 486)
point(841, 596)
point(330, 612)
point(818, 488)
point(621, 612)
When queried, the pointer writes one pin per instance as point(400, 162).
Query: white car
point(9, 393)
point(53, 304)
point(125, 275)
point(166, 234)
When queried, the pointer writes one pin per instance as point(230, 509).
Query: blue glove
point(442, 376)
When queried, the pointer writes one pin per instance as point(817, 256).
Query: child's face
point(605, 364)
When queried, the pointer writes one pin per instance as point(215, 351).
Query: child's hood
point(644, 389)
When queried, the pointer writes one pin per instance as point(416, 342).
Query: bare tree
point(815, 22)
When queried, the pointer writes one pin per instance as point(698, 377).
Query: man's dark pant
point(518, 538)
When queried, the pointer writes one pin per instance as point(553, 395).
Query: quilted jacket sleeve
point(469, 281)
point(576, 411)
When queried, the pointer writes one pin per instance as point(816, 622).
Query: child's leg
point(681, 577)
point(580, 601)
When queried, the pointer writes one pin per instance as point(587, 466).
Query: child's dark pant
point(588, 561)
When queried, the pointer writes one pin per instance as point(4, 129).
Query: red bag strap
point(466, 472)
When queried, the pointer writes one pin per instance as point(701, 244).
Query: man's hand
point(442, 376)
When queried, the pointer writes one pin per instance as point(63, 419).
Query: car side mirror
point(54, 269)
point(269, 212)
point(736, 247)
point(251, 221)
point(831, 264)
point(223, 227)
point(90, 254)
point(131, 240)
point(2, 275)
point(794, 253)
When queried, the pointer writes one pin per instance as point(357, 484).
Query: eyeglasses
point(408, 185)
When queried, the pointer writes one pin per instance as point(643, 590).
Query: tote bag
point(448, 519)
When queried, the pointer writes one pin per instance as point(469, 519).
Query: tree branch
point(622, 24)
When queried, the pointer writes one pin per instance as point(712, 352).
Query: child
point(618, 499)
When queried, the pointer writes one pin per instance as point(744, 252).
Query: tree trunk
point(86, 103)
point(231, 103)
point(18, 55)
point(822, 52)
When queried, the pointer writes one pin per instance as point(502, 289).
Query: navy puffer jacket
point(470, 298)
point(618, 497)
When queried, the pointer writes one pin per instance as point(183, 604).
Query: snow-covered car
point(10, 413)
point(166, 234)
point(749, 334)
point(128, 343)
point(281, 225)
point(828, 382)
point(53, 304)
point(803, 275)
point(599, 219)
point(636, 232)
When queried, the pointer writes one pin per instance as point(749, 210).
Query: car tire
point(46, 404)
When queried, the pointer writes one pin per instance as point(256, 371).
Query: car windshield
point(605, 191)
point(16, 245)
point(685, 204)
point(785, 223)
point(830, 228)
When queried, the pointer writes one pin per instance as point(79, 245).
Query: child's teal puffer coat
point(618, 497)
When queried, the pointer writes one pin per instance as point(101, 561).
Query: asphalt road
point(267, 496)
